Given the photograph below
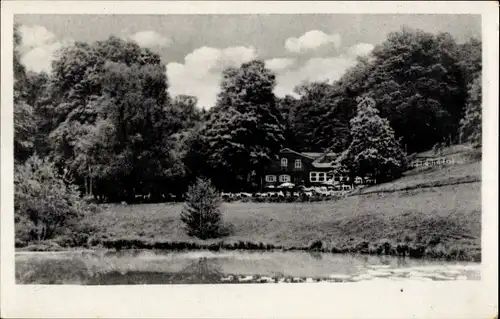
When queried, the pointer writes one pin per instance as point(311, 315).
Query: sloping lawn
point(443, 218)
point(436, 212)
point(431, 177)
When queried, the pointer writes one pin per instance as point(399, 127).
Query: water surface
point(204, 267)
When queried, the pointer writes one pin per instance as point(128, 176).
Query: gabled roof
point(327, 157)
point(326, 160)
point(312, 154)
point(307, 155)
point(320, 160)
point(322, 165)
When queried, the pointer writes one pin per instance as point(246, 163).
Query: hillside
point(468, 170)
point(430, 177)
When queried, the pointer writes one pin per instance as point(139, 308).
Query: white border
point(361, 300)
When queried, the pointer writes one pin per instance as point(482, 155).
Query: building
point(303, 168)
point(431, 161)
point(450, 155)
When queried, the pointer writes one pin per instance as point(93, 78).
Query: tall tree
point(105, 113)
point(471, 124)
point(287, 106)
point(184, 112)
point(321, 118)
point(374, 150)
point(24, 118)
point(245, 129)
point(469, 56)
point(419, 87)
point(132, 106)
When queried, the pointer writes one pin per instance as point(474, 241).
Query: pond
point(129, 267)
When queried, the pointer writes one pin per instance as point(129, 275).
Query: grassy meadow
point(433, 213)
point(445, 221)
point(430, 177)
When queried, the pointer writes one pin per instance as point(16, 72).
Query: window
point(284, 178)
point(322, 177)
point(284, 162)
point(313, 176)
point(317, 176)
point(270, 178)
point(298, 163)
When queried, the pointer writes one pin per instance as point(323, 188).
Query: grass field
point(445, 220)
point(431, 177)
point(433, 213)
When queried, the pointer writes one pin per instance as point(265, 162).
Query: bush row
point(284, 199)
point(413, 250)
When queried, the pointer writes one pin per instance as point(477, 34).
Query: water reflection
point(401, 262)
point(316, 255)
point(203, 267)
point(52, 271)
point(384, 260)
point(199, 271)
point(202, 270)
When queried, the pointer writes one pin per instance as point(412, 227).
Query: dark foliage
point(202, 216)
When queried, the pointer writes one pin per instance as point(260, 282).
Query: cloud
point(201, 73)
point(40, 58)
point(329, 68)
point(312, 40)
point(38, 47)
point(34, 36)
point(150, 39)
point(314, 69)
point(277, 64)
point(360, 49)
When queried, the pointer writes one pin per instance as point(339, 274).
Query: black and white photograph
point(247, 149)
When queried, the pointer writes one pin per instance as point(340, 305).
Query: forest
point(102, 124)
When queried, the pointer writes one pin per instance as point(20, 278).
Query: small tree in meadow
point(201, 215)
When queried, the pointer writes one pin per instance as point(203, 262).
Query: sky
point(196, 48)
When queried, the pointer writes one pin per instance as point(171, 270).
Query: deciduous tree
point(471, 124)
point(245, 130)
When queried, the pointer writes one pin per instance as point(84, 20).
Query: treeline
point(104, 117)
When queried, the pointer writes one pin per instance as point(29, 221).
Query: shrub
point(316, 245)
point(201, 215)
point(44, 204)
